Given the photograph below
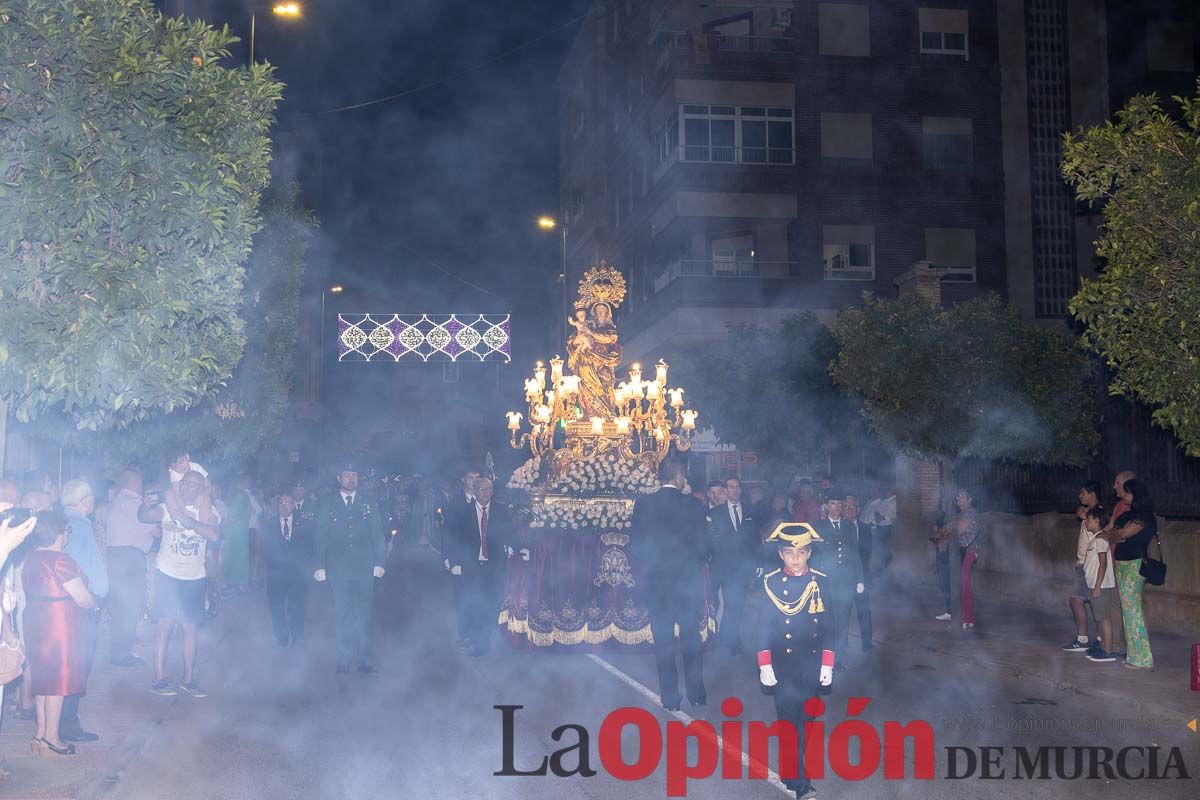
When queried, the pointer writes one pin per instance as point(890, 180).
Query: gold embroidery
point(811, 597)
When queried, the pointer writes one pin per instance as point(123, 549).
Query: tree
point(1143, 311)
point(769, 390)
point(131, 164)
point(973, 380)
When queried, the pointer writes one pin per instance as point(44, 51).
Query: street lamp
point(337, 288)
point(279, 10)
point(548, 223)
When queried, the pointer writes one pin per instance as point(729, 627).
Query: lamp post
point(548, 223)
point(337, 288)
point(279, 10)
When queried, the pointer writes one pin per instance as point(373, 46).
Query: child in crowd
point(1101, 583)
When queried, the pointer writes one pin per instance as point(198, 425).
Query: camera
point(15, 516)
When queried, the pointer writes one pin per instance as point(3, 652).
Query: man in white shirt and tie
point(735, 549)
point(478, 544)
point(287, 552)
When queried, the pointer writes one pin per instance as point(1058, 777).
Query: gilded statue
point(593, 351)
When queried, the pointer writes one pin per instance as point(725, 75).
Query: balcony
point(701, 55)
point(719, 268)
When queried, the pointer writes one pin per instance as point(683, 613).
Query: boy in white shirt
point(1101, 582)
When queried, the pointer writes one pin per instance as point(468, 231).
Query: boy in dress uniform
point(796, 630)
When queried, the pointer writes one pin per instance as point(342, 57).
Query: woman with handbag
point(1131, 537)
point(56, 619)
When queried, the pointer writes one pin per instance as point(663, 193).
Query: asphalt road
point(279, 724)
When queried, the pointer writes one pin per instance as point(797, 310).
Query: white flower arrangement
point(598, 492)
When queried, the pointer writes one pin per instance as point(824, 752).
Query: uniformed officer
point(838, 557)
point(794, 656)
point(350, 553)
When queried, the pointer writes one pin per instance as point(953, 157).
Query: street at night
point(599, 399)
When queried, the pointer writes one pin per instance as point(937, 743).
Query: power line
point(460, 73)
point(442, 269)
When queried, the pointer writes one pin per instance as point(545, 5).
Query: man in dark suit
point(735, 548)
point(350, 552)
point(838, 558)
point(480, 535)
point(862, 600)
point(287, 550)
point(670, 545)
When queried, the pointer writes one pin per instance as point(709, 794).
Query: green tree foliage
point(973, 380)
point(1143, 311)
point(131, 164)
point(769, 390)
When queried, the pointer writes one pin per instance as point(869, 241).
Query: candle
point(635, 388)
point(550, 398)
point(623, 425)
point(531, 389)
point(542, 414)
point(676, 398)
point(556, 365)
point(514, 420)
point(689, 420)
point(661, 369)
point(658, 434)
point(597, 425)
point(570, 385)
point(635, 373)
point(652, 390)
point(539, 375)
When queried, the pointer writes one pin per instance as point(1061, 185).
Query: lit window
point(943, 31)
point(952, 249)
point(849, 252)
point(947, 142)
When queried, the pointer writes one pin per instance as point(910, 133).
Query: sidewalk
point(1027, 643)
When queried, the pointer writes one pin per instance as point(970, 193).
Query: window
point(733, 256)
point(952, 249)
point(849, 252)
point(729, 134)
point(846, 136)
point(741, 25)
point(1170, 46)
point(844, 30)
point(947, 142)
point(943, 31)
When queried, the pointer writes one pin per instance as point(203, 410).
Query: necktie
point(483, 526)
point(737, 513)
point(346, 497)
point(287, 530)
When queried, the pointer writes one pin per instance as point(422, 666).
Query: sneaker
point(1076, 646)
point(943, 617)
point(163, 688)
point(193, 689)
point(1100, 654)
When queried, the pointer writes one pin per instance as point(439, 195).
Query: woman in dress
point(1131, 535)
point(55, 625)
point(966, 528)
point(235, 549)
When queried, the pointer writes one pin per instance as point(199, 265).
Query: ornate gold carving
point(602, 284)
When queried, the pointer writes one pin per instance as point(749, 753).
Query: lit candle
point(635, 373)
point(623, 425)
point(689, 420)
point(569, 385)
point(542, 414)
point(539, 375)
point(556, 365)
point(661, 370)
point(658, 434)
point(597, 425)
point(635, 388)
point(676, 398)
point(621, 393)
point(531, 389)
point(652, 390)
point(514, 420)
point(550, 398)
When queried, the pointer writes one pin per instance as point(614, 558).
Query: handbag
point(1154, 571)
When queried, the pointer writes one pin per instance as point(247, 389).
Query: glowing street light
point(291, 10)
point(547, 223)
point(336, 289)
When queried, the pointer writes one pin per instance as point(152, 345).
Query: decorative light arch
point(428, 337)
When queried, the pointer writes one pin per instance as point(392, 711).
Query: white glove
point(826, 676)
point(859, 588)
point(377, 572)
point(766, 675)
point(524, 553)
point(446, 563)
point(456, 570)
point(508, 551)
point(319, 576)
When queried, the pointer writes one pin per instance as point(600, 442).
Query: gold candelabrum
point(572, 418)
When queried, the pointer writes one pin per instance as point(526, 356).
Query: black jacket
point(838, 556)
point(280, 554)
point(669, 536)
point(796, 640)
point(462, 533)
point(732, 545)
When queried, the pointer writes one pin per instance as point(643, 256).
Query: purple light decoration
point(409, 335)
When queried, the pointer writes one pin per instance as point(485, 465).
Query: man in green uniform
point(795, 627)
point(350, 553)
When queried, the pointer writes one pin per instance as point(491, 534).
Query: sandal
point(69, 750)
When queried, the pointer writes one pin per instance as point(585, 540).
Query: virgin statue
point(594, 355)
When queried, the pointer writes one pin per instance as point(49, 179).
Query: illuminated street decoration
point(438, 337)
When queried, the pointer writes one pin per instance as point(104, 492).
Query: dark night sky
point(455, 173)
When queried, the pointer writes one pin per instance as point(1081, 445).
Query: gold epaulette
point(773, 572)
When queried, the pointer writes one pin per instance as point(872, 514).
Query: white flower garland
point(600, 483)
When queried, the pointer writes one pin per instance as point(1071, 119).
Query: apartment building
point(744, 161)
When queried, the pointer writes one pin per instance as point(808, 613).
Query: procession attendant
point(795, 655)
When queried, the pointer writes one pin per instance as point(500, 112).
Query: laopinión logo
point(723, 748)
